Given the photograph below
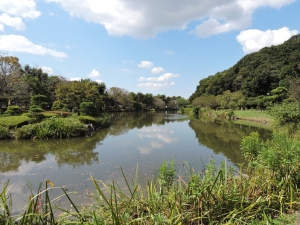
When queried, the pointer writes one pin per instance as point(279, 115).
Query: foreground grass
point(264, 192)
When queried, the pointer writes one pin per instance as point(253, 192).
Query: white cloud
point(75, 79)
point(142, 79)
point(15, 22)
point(14, 10)
point(144, 19)
point(170, 52)
point(146, 64)
point(99, 81)
point(18, 43)
point(164, 77)
point(47, 70)
point(254, 40)
point(155, 86)
point(21, 8)
point(94, 73)
point(157, 70)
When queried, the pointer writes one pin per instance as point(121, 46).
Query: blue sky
point(158, 46)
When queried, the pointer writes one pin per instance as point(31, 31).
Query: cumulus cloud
point(144, 19)
point(99, 81)
point(155, 86)
point(15, 22)
point(254, 40)
point(157, 70)
point(21, 8)
point(146, 64)
point(142, 79)
point(47, 70)
point(94, 73)
point(14, 10)
point(18, 43)
point(164, 77)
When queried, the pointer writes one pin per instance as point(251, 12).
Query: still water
point(134, 140)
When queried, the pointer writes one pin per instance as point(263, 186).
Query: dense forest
point(30, 88)
point(271, 71)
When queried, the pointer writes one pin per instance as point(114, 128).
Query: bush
point(4, 133)
point(286, 113)
point(52, 128)
point(13, 111)
point(88, 109)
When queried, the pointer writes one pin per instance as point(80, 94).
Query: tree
point(182, 102)
point(71, 94)
point(158, 103)
point(38, 103)
point(208, 101)
point(13, 88)
point(294, 90)
point(120, 97)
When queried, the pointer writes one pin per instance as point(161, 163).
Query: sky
point(158, 46)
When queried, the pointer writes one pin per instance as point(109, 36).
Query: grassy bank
point(265, 191)
point(247, 117)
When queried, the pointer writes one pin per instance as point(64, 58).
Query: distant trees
point(71, 94)
point(31, 88)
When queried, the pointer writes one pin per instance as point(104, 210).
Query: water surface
point(134, 139)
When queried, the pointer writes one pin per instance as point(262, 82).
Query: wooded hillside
point(257, 73)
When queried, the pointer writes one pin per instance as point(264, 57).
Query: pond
point(135, 140)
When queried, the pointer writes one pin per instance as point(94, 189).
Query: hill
point(256, 73)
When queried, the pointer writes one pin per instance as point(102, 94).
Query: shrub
point(286, 113)
point(88, 109)
point(4, 132)
point(13, 111)
point(52, 128)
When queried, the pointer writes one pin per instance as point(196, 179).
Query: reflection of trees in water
point(75, 151)
point(123, 122)
point(224, 137)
